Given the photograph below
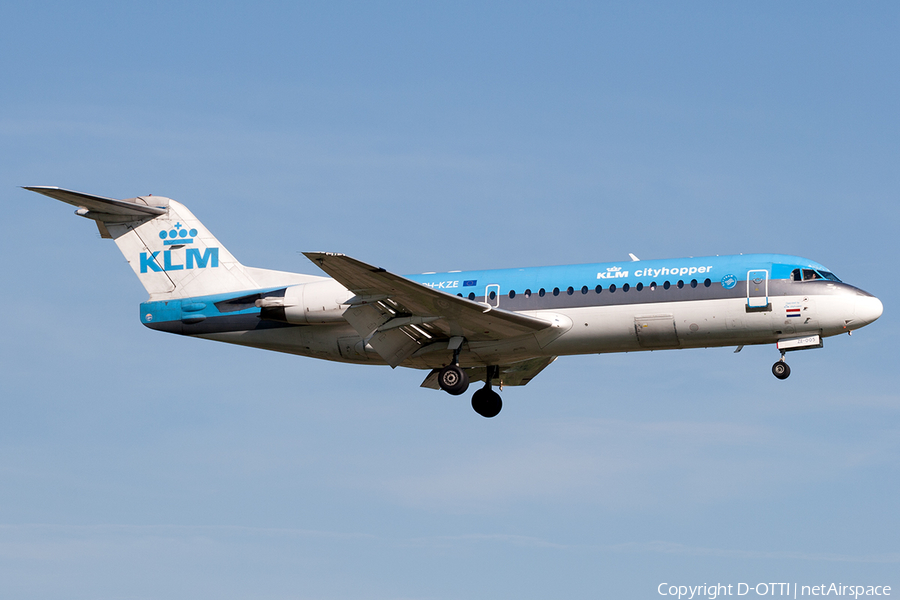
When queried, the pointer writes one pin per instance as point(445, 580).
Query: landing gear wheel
point(453, 380)
point(487, 402)
point(781, 370)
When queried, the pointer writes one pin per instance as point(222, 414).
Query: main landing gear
point(781, 370)
point(454, 380)
point(486, 401)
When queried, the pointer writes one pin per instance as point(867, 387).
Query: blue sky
point(430, 137)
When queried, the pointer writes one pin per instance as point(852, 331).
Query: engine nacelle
point(317, 302)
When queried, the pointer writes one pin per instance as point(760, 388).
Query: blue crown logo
point(178, 235)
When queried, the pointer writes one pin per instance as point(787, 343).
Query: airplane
point(501, 326)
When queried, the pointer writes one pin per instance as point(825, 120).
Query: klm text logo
point(612, 273)
point(193, 258)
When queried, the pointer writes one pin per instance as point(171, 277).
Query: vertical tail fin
point(170, 251)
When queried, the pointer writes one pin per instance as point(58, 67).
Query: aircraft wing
point(402, 316)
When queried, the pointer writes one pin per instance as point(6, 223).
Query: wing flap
point(366, 318)
point(394, 346)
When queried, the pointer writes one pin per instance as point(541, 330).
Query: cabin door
point(757, 289)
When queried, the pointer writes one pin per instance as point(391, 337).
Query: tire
point(487, 403)
point(453, 380)
point(781, 370)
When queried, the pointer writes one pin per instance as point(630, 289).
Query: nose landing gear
point(780, 369)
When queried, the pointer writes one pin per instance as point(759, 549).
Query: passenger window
point(541, 292)
point(493, 295)
point(584, 290)
point(639, 286)
point(707, 282)
point(471, 295)
point(570, 291)
point(556, 291)
point(612, 288)
point(653, 286)
point(460, 295)
point(528, 293)
point(598, 289)
point(626, 287)
point(666, 285)
point(693, 283)
point(512, 294)
point(680, 284)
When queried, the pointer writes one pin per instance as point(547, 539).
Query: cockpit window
point(809, 274)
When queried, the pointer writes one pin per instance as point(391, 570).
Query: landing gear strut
point(781, 370)
point(486, 401)
point(452, 378)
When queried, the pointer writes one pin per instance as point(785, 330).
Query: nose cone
point(868, 308)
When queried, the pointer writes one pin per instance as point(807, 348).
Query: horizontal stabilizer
point(139, 208)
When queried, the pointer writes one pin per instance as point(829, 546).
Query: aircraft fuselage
point(595, 308)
